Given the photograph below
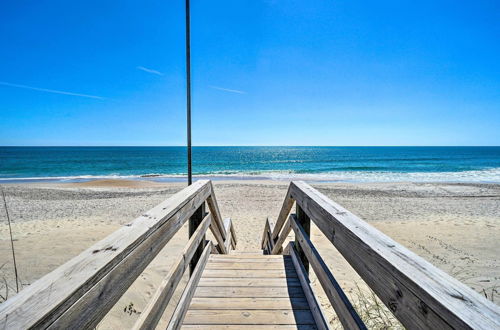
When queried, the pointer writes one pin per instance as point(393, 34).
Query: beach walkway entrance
point(263, 289)
point(249, 290)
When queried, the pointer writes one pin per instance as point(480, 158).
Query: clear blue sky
point(265, 72)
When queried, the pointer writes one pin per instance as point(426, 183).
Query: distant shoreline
point(397, 178)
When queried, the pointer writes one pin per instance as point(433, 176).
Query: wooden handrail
point(187, 295)
point(287, 227)
point(284, 212)
point(338, 299)
point(79, 293)
point(319, 318)
point(267, 243)
point(153, 311)
point(418, 294)
point(214, 209)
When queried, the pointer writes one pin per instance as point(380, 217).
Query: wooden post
point(194, 222)
point(305, 222)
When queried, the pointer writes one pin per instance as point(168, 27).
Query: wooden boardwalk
point(249, 291)
point(263, 289)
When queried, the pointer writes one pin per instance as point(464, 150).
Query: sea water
point(356, 164)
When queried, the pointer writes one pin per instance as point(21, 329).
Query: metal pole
point(188, 92)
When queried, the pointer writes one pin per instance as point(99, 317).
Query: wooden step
point(249, 291)
point(247, 252)
point(249, 303)
point(249, 282)
point(253, 317)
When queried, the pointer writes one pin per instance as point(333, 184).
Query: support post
point(305, 222)
point(194, 222)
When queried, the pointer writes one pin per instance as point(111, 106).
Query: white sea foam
point(487, 175)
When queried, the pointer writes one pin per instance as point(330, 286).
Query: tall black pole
point(188, 92)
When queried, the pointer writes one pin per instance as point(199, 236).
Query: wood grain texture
point(249, 303)
point(319, 318)
point(278, 245)
point(248, 258)
point(267, 240)
point(254, 317)
point(193, 223)
point(284, 212)
point(258, 294)
point(263, 241)
point(185, 300)
point(249, 292)
point(249, 265)
point(214, 209)
point(343, 307)
point(153, 311)
point(80, 292)
point(229, 243)
point(234, 239)
point(221, 246)
point(255, 253)
point(249, 282)
point(248, 273)
point(419, 294)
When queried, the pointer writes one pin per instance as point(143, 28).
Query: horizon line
point(208, 146)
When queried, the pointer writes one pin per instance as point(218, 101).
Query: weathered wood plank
point(263, 241)
point(249, 327)
point(249, 303)
point(247, 252)
point(153, 311)
point(229, 238)
point(249, 282)
point(246, 273)
point(221, 246)
point(185, 300)
point(284, 212)
point(214, 209)
point(249, 292)
point(249, 265)
point(80, 292)
point(343, 307)
point(193, 223)
point(314, 306)
point(234, 240)
point(419, 294)
point(267, 241)
point(253, 317)
point(248, 258)
point(303, 219)
point(278, 245)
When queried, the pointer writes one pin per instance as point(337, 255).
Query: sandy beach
point(454, 226)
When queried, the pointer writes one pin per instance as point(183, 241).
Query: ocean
point(347, 164)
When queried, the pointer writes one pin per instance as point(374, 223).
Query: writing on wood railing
point(418, 294)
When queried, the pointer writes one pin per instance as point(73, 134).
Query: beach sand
point(454, 226)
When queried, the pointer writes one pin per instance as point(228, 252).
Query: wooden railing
point(80, 293)
point(419, 295)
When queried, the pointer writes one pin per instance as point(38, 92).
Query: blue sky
point(274, 72)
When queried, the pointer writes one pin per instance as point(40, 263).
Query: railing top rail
point(84, 288)
point(418, 293)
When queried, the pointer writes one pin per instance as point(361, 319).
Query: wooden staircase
point(249, 291)
point(231, 289)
